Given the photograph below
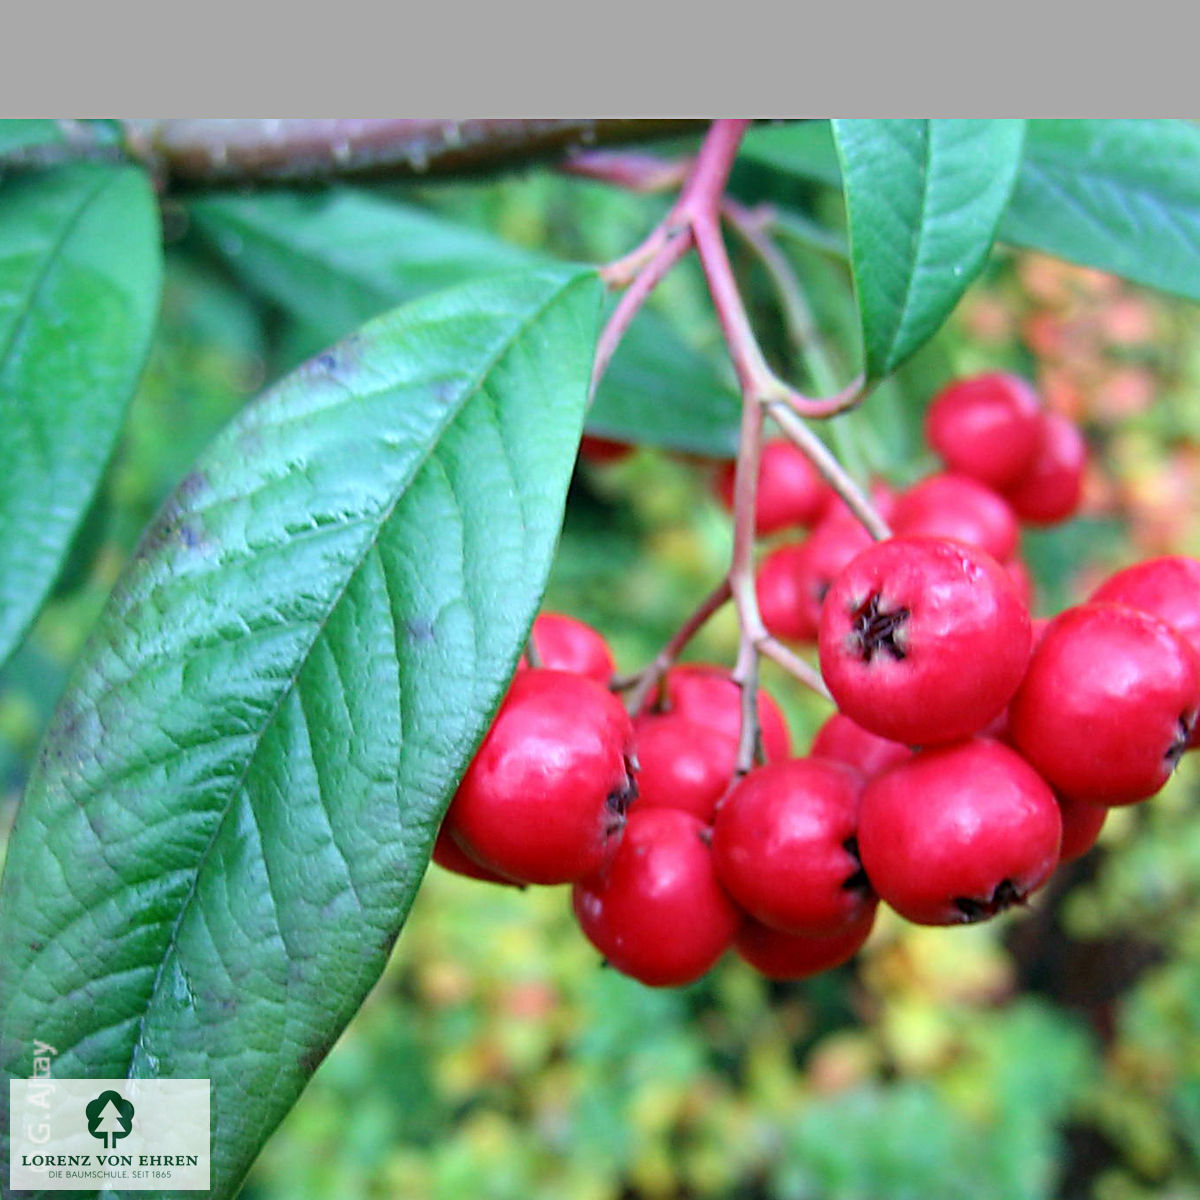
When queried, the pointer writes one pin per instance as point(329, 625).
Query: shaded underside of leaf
point(1121, 195)
point(236, 800)
point(803, 149)
point(80, 273)
point(924, 199)
point(339, 258)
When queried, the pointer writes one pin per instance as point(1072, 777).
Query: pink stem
point(629, 170)
point(643, 683)
point(631, 302)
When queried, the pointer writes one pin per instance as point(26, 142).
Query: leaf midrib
point(918, 244)
point(469, 393)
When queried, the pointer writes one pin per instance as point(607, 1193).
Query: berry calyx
point(958, 833)
point(784, 846)
point(544, 798)
point(657, 911)
point(1108, 704)
point(985, 426)
point(923, 640)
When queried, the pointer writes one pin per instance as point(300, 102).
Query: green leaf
point(802, 149)
point(796, 228)
point(924, 199)
point(1121, 195)
point(80, 273)
point(338, 259)
point(658, 391)
point(341, 257)
point(236, 800)
point(20, 133)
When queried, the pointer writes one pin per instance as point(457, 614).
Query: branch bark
point(211, 152)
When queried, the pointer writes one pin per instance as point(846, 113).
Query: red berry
point(781, 599)
point(790, 490)
point(657, 912)
point(544, 798)
point(707, 696)
point(783, 844)
point(882, 496)
point(957, 507)
point(450, 856)
point(681, 764)
point(786, 956)
point(836, 541)
point(1081, 824)
point(958, 833)
point(565, 644)
point(923, 640)
point(845, 741)
point(1022, 580)
point(1108, 703)
point(985, 426)
point(1167, 588)
point(1050, 489)
point(603, 450)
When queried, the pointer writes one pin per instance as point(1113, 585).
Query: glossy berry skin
point(923, 640)
point(681, 764)
point(985, 426)
point(782, 604)
point(845, 741)
point(1108, 703)
point(450, 856)
point(785, 956)
point(790, 491)
point(783, 844)
point(706, 695)
point(1050, 489)
point(836, 541)
point(544, 798)
point(1081, 824)
point(1022, 580)
point(958, 833)
point(657, 912)
point(958, 507)
point(1167, 588)
point(565, 644)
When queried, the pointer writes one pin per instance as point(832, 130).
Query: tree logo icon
point(109, 1117)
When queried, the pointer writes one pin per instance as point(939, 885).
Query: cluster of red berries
point(1007, 461)
point(969, 756)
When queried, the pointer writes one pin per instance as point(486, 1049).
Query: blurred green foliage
point(498, 1058)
